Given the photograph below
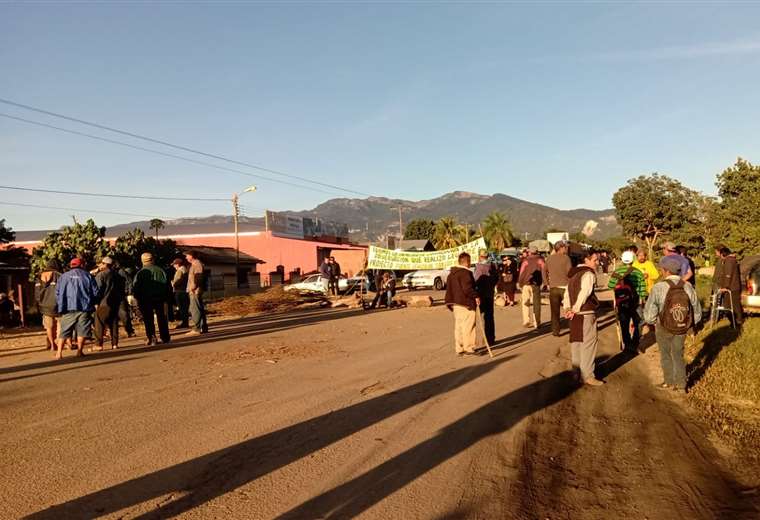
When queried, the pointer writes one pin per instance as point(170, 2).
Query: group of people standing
point(330, 271)
point(76, 303)
point(662, 296)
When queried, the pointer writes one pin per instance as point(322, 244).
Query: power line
point(158, 152)
point(79, 210)
point(112, 195)
point(178, 147)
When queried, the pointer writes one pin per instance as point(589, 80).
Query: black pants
point(332, 286)
point(125, 316)
point(183, 307)
point(106, 318)
point(147, 309)
point(486, 310)
point(625, 317)
point(556, 294)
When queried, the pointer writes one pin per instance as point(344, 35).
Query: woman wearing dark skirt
point(507, 279)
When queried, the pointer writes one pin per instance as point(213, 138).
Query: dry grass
point(272, 299)
point(723, 369)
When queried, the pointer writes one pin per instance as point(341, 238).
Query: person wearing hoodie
point(581, 303)
point(463, 300)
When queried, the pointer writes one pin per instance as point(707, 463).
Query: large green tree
point(419, 229)
point(87, 241)
point(448, 233)
point(497, 231)
point(128, 248)
point(735, 217)
point(83, 240)
point(651, 208)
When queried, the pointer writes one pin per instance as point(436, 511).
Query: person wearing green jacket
point(630, 288)
point(151, 289)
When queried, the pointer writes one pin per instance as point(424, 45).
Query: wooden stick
point(483, 330)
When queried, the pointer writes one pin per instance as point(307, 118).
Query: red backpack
point(626, 298)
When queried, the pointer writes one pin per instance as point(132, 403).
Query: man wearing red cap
point(76, 296)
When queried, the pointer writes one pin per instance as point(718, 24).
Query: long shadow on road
point(214, 474)
point(352, 498)
point(245, 327)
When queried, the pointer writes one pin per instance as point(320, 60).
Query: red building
point(291, 253)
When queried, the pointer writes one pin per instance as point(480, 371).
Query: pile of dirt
point(273, 299)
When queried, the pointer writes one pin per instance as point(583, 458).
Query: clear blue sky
point(554, 103)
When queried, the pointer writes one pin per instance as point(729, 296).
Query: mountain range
point(374, 218)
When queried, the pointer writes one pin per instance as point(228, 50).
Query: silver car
point(751, 292)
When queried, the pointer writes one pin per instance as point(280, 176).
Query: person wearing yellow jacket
point(646, 266)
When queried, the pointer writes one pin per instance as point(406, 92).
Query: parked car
point(317, 283)
point(426, 278)
point(751, 293)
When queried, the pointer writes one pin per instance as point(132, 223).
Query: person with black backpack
point(44, 293)
point(630, 289)
point(674, 307)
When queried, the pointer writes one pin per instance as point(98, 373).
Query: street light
point(235, 216)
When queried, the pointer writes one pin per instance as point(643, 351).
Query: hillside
point(375, 217)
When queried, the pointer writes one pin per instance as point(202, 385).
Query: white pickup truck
point(426, 278)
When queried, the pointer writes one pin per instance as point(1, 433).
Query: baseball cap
point(627, 257)
point(669, 246)
point(107, 260)
point(671, 265)
point(75, 262)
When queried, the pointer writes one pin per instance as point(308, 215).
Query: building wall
point(288, 252)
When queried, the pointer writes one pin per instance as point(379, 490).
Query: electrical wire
point(79, 210)
point(158, 152)
point(112, 195)
point(178, 147)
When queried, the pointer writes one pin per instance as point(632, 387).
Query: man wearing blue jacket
point(76, 295)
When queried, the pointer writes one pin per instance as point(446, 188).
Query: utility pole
point(235, 216)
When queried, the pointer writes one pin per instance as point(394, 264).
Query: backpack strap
point(617, 276)
point(672, 284)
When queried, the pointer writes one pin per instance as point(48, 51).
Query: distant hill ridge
point(376, 217)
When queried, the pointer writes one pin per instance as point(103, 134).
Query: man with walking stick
point(463, 300)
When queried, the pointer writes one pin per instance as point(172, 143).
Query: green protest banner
point(380, 258)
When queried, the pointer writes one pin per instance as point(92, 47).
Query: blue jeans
point(198, 313)
point(671, 357)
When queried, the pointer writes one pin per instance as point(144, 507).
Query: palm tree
point(497, 231)
point(156, 224)
point(448, 233)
